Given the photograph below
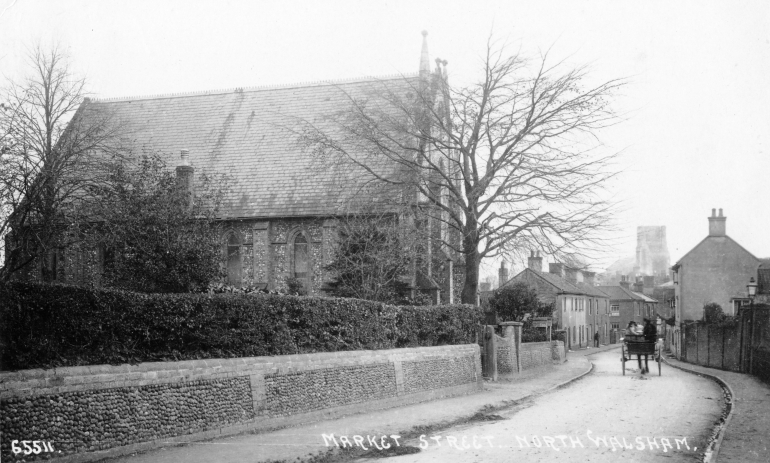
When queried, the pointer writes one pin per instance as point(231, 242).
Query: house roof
point(592, 290)
point(646, 298)
point(250, 135)
point(561, 284)
point(678, 263)
point(619, 293)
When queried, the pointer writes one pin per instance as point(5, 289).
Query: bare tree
point(506, 164)
point(46, 134)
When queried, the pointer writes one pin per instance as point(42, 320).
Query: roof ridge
point(256, 88)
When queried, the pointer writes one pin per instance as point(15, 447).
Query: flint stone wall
point(90, 413)
point(535, 354)
point(531, 354)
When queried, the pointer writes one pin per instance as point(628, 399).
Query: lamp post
point(752, 290)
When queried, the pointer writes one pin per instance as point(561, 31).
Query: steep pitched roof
point(645, 298)
point(247, 134)
point(704, 240)
point(592, 290)
point(561, 284)
point(619, 293)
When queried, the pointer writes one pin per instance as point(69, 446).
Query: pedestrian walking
point(596, 339)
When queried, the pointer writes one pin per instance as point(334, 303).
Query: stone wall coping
point(537, 344)
point(261, 363)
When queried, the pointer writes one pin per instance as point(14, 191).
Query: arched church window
point(234, 266)
point(301, 259)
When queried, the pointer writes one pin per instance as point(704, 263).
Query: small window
point(300, 260)
point(300, 257)
point(234, 266)
point(615, 310)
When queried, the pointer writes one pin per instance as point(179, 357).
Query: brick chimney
point(535, 262)
point(639, 285)
point(502, 274)
point(556, 269)
point(571, 275)
point(184, 176)
point(717, 226)
point(588, 278)
point(624, 282)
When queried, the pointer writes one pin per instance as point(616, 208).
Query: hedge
point(47, 325)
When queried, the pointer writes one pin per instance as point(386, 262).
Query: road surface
point(603, 417)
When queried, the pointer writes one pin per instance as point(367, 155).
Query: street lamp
point(752, 288)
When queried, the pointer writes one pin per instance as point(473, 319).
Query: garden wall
point(513, 356)
point(712, 346)
point(93, 412)
point(535, 354)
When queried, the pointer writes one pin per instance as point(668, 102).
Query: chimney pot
point(717, 225)
point(184, 177)
point(556, 269)
point(535, 262)
point(185, 158)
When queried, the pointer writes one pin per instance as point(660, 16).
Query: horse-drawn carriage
point(635, 344)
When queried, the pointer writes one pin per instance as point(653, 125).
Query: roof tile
point(247, 134)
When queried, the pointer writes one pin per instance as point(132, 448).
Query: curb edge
point(714, 458)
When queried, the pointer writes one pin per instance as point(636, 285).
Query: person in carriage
point(650, 333)
point(632, 332)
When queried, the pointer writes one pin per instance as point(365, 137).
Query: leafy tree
point(373, 255)
point(713, 313)
point(154, 236)
point(506, 164)
point(47, 130)
point(515, 301)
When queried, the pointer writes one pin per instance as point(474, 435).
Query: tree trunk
point(472, 260)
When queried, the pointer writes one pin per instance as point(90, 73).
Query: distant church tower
point(652, 257)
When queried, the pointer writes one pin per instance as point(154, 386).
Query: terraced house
point(580, 308)
point(627, 305)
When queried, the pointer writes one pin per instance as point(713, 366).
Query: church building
point(280, 216)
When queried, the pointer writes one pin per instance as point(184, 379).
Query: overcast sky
point(698, 106)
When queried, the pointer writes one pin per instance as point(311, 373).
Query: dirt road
point(602, 417)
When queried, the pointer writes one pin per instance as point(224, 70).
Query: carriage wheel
point(660, 359)
point(623, 358)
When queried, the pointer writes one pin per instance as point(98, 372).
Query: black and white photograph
point(387, 230)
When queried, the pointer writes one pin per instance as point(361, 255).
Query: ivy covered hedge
point(46, 325)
